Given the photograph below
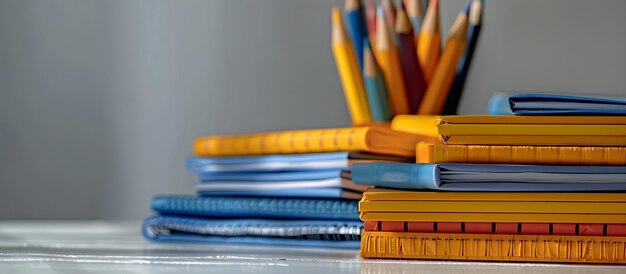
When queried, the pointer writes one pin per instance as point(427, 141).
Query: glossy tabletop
point(114, 247)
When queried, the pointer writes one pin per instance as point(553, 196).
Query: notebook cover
point(531, 130)
point(375, 139)
point(416, 124)
point(320, 233)
point(547, 140)
point(325, 193)
point(234, 186)
point(493, 217)
point(499, 104)
point(461, 206)
point(498, 228)
point(539, 155)
point(269, 163)
point(548, 104)
point(533, 120)
point(242, 207)
point(526, 248)
point(307, 175)
point(495, 177)
point(377, 194)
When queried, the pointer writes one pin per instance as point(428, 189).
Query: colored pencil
point(429, 44)
point(413, 78)
point(390, 12)
point(388, 58)
point(356, 27)
point(415, 10)
point(440, 84)
point(375, 86)
point(370, 18)
point(475, 10)
point(348, 68)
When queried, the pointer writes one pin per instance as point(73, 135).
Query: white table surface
point(114, 247)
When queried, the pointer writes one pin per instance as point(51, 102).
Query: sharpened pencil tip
point(403, 23)
point(336, 15)
point(380, 11)
point(351, 5)
point(466, 8)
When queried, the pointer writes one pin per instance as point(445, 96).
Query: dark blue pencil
point(356, 27)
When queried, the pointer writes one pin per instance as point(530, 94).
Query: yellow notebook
point(533, 120)
point(493, 207)
point(494, 217)
point(377, 139)
point(519, 130)
point(379, 194)
point(417, 124)
point(419, 206)
point(531, 155)
point(547, 140)
point(528, 248)
point(534, 130)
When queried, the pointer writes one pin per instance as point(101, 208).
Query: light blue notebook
point(269, 163)
point(246, 186)
point(270, 176)
point(547, 104)
point(491, 177)
point(320, 192)
point(240, 207)
point(499, 104)
point(339, 234)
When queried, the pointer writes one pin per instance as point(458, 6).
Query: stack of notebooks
point(507, 188)
point(282, 188)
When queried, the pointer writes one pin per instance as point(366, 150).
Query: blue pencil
point(474, 9)
point(375, 86)
point(356, 27)
point(415, 9)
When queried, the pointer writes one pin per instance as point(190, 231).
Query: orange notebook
point(375, 139)
point(529, 155)
point(485, 247)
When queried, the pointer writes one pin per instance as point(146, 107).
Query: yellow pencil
point(349, 72)
point(439, 86)
point(389, 61)
point(429, 43)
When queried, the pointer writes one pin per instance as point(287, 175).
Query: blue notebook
point(340, 234)
point(546, 104)
point(499, 104)
point(239, 207)
point(269, 163)
point(319, 193)
point(491, 177)
point(270, 176)
point(260, 186)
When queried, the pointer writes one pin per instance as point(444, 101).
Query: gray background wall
point(100, 100)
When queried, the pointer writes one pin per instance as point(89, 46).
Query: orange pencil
point(439, 86)
point(386, 52)
point(429, 43)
